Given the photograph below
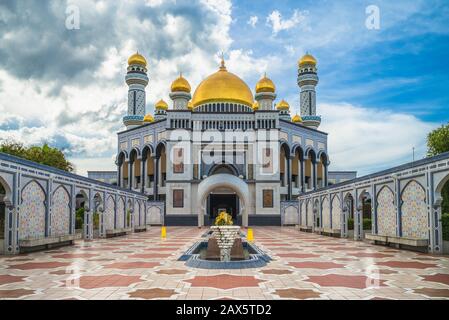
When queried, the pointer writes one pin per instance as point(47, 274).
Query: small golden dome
point(256, 106)
point(283, 105)
point(223, 86)
point(161, 105)
point(265, 85)
point(137, 58)
point(297, 119)
point(181, 84)
point(148, 118)
point(308, 59)
point(190, 105)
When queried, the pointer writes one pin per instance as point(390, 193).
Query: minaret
point(180, 93)
point(265, 93)
point(137, 80)
point(307, 81)
point(160, 110)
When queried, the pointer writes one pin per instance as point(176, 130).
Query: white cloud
point(253, 21)
point(278, 24)
point(369, 140)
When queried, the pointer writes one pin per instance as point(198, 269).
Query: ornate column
point(289, 180)
point(358, 221)
point(130, 174)
point(88, 215)
point(156, 178)
point(143, 175)
point(12, 232)
point(325, 173)
point(303, 175)
point(314, 175)
point(120, 175)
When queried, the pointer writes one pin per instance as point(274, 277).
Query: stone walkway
point(305, 266)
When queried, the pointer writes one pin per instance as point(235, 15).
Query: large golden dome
point(137, 58)
point(223, 86)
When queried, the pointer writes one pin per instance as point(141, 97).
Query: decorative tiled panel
point(32, 212)
point(124, 145)
point(161, 135)
point(283, 135)
point(326, 213)
point(309, 142)
point(136, 214)
point(121, 213)
point(320, 146)
point(309, 214)
point(336, 213)
point(414, 212)
point(386, 212)
point(303, 214)
point(135, 142)
point(148, 139)
point(154, 215)
point(109, 214)
point(60, 213)
point(296, 139)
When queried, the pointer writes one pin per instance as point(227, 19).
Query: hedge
point(367, 224)
point(79, 218)
point(445, 222)
point(350, 224)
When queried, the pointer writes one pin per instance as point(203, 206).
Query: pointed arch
point(336, 213)
point(120, 213)
point(414, 215)
point(326, 213)
point(109, 213)
point(386, 212)
point(61, 212)
point(32, 211)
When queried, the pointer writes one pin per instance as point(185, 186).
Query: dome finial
point(222, 65)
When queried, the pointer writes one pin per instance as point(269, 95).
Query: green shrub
point(350, 224)
point(445, 222)
point(79, 223)
point(96, 219)
point(367, 224)
point(79, 218)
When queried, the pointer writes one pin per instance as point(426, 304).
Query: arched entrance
point(223, 191)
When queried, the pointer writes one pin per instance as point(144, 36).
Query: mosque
point(222, 147)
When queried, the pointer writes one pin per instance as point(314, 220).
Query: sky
point(384, 83)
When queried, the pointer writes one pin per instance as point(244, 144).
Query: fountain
point(224, 248)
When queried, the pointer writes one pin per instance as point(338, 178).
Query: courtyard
point(144, 266)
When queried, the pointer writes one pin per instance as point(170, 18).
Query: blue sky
point(67, 88)
point(403, 66)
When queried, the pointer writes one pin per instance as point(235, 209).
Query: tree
point(438, 141)
point(44, 155)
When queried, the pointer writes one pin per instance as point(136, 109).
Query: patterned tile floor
point(305, 266)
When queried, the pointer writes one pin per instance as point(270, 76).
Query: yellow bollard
point(250, 235)
point(164, 233)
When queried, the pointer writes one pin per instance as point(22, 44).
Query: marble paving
point(304, 266)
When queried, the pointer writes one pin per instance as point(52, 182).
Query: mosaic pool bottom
point(304, 266)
